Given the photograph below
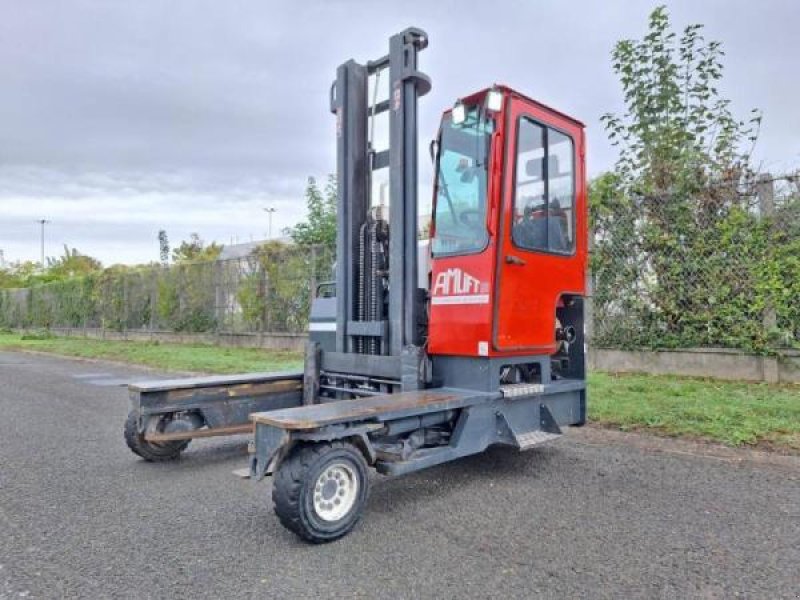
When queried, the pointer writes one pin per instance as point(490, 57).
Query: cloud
point(117, 119)
point(117, 217)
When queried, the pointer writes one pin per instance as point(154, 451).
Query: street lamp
point(42, 222)
point(269, 211)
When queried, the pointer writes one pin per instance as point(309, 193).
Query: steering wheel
point(471, 217)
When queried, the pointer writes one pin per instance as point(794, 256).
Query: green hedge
point(673, 273)
point(267, 291)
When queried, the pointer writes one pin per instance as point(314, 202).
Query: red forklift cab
point(509, 236)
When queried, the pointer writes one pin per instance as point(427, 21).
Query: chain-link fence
point(267, 291)
point(718, 269)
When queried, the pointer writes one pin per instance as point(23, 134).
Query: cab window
point(544, 189)
point(461, 185)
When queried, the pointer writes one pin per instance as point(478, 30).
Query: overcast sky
point(118, 119)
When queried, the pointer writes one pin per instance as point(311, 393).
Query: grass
point(732, 413)
point(735, 414)
point(170, 357)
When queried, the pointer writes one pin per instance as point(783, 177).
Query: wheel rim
point(335, 491)
point(156, 425)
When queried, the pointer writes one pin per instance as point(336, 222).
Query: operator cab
point(509, 234)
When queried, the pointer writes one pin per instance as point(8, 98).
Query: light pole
point(42, 222)
point(269, 211)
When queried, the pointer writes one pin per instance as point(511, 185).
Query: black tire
point(149, 451)
point(293, 489)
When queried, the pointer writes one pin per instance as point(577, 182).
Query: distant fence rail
point(268, 291)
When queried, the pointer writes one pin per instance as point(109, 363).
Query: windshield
point(462, 173)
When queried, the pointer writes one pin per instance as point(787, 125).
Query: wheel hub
point(335, 491)
point(183, 423)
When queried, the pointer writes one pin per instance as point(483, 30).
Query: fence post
point(153, 300)
point(87, 306)
point(124, 307)
point(765, 189)
point(181, 279)
point(104, 309)
point(313, 278)
point(218, 312)
point(262, 293)
point(28, 308)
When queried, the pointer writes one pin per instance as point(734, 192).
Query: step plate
point(514, 390)
point(534, 438)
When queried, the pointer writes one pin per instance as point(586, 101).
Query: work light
point(459, 113)
point(494, 100)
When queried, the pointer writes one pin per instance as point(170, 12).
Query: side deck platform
point(377, 408)
point(211, 382)
point(223, 402)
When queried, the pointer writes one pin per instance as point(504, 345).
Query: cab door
point(542, 241)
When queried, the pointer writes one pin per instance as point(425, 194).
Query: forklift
point(418, 358)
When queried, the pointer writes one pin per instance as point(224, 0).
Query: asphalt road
point(80, 516)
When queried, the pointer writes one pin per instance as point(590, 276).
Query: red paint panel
point(530, 283)
point(461, 318)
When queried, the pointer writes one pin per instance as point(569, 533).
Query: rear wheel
point(320, 490)
point(151, 451)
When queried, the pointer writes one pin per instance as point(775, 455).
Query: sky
point(118, 119)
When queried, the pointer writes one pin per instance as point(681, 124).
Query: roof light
point(494, 100)
point(459, 113)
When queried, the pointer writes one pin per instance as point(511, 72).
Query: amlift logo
point(455, 286)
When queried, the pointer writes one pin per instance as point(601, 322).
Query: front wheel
point(151, 451)
point(320, 490)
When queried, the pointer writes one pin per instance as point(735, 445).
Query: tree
point(320, 226)
point(677, 134)
point(195, 249)
point(71, 264)
point(678, 254)
point(163, 246)
point(19, 274)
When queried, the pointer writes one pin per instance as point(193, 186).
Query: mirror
point(433, 148)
